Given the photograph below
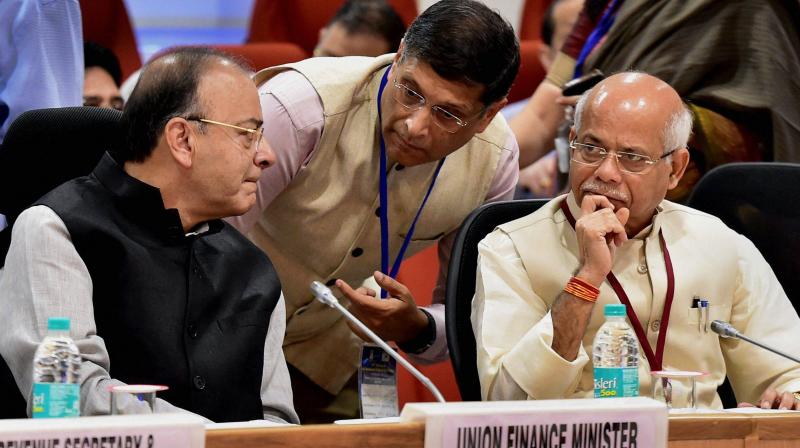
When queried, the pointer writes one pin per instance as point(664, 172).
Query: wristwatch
point(796, 395)
point(422, 341)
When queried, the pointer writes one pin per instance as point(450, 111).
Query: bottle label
point(610, 382)
point(54, 400)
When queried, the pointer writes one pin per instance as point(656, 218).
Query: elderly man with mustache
point(543, 280)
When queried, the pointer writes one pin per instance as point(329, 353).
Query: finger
point(786, 401)
point(607, 224)
point(356, 298)
point(367, 291)
point(395, 288)
point(592, 202)
point(745, 404)
point(623, 214)
point(345, 288)
point(621, 235)
point(601, 225)
point(768, 398)
point(620, 238)
point(568, 100)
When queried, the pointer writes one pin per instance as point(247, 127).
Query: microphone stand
point(773, 350)
point(324, 295)
point(727, 330)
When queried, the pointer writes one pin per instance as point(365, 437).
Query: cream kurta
point(523, 266)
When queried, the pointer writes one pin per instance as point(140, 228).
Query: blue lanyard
point(384, 197)
point(601, 30)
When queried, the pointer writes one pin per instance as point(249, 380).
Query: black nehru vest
point(189, 312)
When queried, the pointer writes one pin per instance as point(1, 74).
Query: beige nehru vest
point(324, 225)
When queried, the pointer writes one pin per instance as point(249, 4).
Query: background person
point(539, 179)
point(733, 62)
point(101, 77)
point(361, 28)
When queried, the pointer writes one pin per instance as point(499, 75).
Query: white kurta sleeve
point(276, 386)
point(513, 331)
point(761, 311)
point(45, 277)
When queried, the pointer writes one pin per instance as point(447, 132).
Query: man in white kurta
point(534, 340)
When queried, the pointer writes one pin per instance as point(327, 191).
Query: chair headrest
point(44, 148)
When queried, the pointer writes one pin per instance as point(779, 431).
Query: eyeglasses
point(412, 100)
point(629, 162)
point(253, 136)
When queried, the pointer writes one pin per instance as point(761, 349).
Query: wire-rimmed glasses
point(255, 136)
point(629, 162)
point(412, 100)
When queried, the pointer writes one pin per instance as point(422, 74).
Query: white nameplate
point(118, 431)
point(590, 423)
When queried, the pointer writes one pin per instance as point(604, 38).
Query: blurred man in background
point(539, 179)
point(101, 77)
point(734, 61)
point(361, 28)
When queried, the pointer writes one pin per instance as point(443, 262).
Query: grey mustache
point(603, 189)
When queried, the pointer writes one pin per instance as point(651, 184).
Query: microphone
point(724, 329)
point(727, 330)
point(324, 295)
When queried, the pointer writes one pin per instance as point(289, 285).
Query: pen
point(696, 306)
point(704, 313)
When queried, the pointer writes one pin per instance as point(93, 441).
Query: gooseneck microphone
point(724, 329)
point(727, 330)
point(324, 295)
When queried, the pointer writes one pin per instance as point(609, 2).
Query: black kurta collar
point(142, 203)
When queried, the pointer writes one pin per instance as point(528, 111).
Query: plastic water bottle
point(615, 355)
point(56, 368)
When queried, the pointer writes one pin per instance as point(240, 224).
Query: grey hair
point(678, 129)
point(579, 108)
point(675, 134)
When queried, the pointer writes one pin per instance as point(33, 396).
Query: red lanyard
point(656, 358)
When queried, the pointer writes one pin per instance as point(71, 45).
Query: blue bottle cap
point(614, 309)
point(58, 323)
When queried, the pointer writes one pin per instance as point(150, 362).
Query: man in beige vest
point(319, 214)
point(543, 280)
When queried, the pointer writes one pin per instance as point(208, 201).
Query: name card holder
point(118, 431)
point(576, 423)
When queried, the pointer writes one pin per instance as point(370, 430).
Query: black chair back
point(461, 287)
point(762, 202)
point(42, 149)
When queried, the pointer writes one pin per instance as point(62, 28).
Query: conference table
point(729, 430)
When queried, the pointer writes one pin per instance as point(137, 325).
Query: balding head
point(629, 95)
point(168, 88)
point(629, 144)
point(195, 125)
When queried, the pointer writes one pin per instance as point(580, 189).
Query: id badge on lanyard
point(377, 372)
point(377, 383)
point(384, 201)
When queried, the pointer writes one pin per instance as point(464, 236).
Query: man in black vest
point(136, 255)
